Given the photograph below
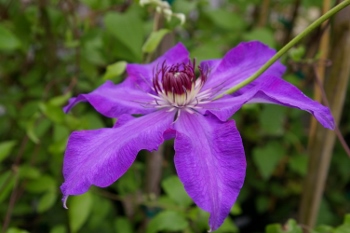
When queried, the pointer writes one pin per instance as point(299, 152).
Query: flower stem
point(288, 46)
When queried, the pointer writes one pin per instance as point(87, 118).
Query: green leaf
point(153, 40)
point(70, 41)
point(8, 41)
point(93, 121)
point(78, 211)
point(16, 230)
point(58, 229)
point(6, 148)
point(54, 113)
point(293, 79)
point(167, 221)
point(59, 139)
point(36, 127)
point(97, 4)
point(342, 229)
point(272, 119)
point(60, 132)
point(92, 50)
point(42, 184)
point(184, 6)
point(266, 158)
point(175, 190)
point(123, 225)
point(29, 172)
point(293, 227)
point(58, 147)
point(99, 213)
point(326, 214)
point(323, 229)
point(131, 180)
point(236, 209)
point(226, 20)
point(7, 180)
point(347, 220)
point(72, 122)
point(274, 228)
point(227, 226)
point(59, 101)
point(298, 163)
point(297, 53)
point(198, 217)
point(166, 202)
point(30, 130)
point(345, 227)
point(262, 204)
point(47, 201)
point(207, 50)
point(114, 70)
point(262, 34)
point(42, 127)
point(127, 29)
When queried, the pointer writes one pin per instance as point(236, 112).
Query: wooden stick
point(321, 69)
point(320, 150)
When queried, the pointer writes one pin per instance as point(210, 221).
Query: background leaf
point(123, 225)
point(167, 221)
point(264, 35)
point(272, 119)
point(114, 70)
point(153, 40)
point(8, 41)
point(47, 201)
point(79, 208)
point(6, 148)
point(127, 29)
point(175, 190)
point(266, 158)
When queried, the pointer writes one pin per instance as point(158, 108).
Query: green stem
point(293, 42)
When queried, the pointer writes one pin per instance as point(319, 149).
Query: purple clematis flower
point(174, 103)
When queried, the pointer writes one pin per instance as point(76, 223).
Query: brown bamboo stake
point(324, 48)
point(293, 17)
point(264, 13)
point(320, 150)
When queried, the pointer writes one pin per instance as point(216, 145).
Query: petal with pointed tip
point(277, 91)
point(100, 157)
point(210, 162)
point(273, 90)
point(239, 64)
point(114, 100)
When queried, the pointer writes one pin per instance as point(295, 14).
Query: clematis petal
point(277, 91)
point(100, 157)
point(238, 64)
point(143, 74)
point(226, 106)
point(273, 90)
point(123, 119)
point(114, 100)
point(210, 65)
point(210, 162)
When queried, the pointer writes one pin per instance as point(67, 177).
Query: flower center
point(178, 88)
point(178, 82)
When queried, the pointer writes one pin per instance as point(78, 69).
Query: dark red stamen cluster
point(177, 79)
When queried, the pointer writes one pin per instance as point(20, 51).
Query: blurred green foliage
point(52, 50)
